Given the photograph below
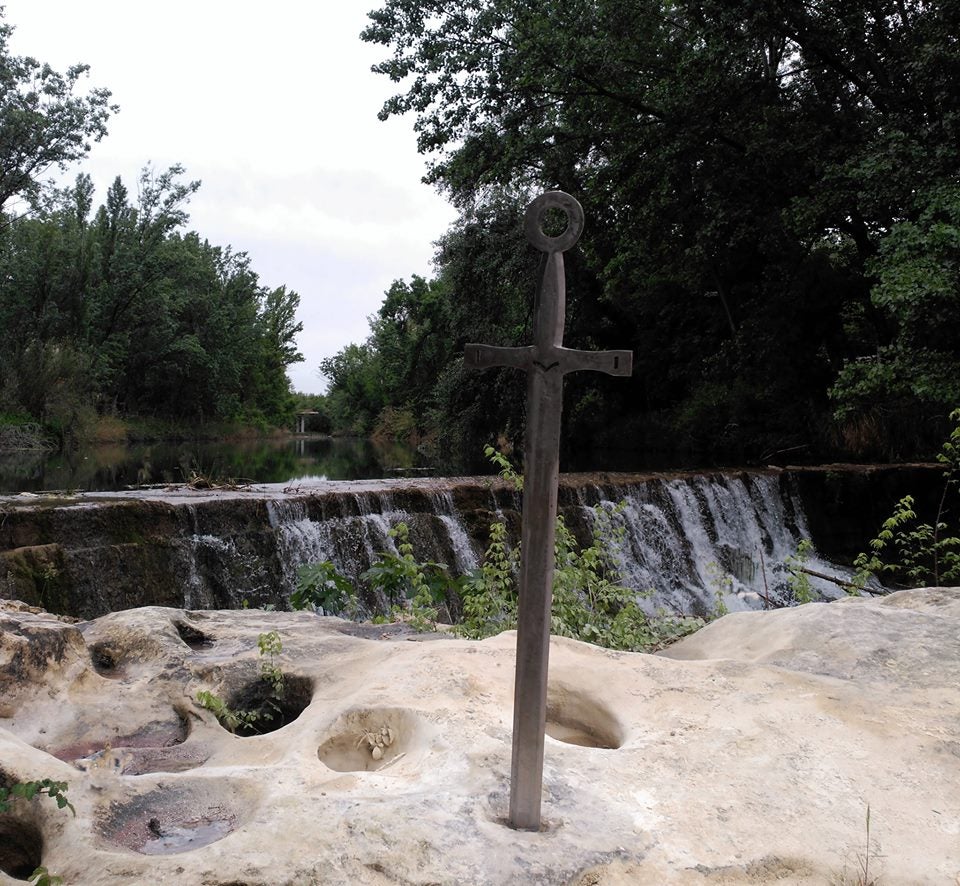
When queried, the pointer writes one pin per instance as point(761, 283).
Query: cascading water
point(685, 535)
point(692, 538)
point(463, 557)
point(352, 540)
point(688, 538)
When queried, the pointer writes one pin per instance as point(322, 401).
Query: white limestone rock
point(747, 753)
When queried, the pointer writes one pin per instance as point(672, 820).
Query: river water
point(111, 467)
point(118, 466)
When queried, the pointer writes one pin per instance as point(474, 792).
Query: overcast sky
point(274, 108)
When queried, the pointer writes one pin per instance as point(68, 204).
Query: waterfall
point(687, 538)
point(691, 538)
point(463, 556)
point(350, 542)
point(352, 537)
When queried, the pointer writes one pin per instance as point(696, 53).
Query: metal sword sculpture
point(546, 361)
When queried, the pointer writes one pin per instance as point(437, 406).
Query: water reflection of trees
point(261, 461)
point(21, 467)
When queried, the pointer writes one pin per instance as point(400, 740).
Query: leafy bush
point(589, 603)
point(489, 595)
point(913, 553)
point(321, 587)
point(401, 578)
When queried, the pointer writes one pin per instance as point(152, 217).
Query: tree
point(125, 314)
point(44, 122)
point(129, 299)
point(740, 164)
point(412, 336)
point(917, 292)
point(355, 396)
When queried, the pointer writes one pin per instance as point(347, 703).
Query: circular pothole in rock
point(193, 637)
point(257, 708)
point(573, 717)
point(175, 817)
point(156, 746)
point(106, 660)
point(368, 739)
point(21, 847)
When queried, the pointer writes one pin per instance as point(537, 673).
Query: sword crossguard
point(487, 356)
point(548, 355)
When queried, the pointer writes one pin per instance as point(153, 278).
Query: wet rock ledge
point(93, 553)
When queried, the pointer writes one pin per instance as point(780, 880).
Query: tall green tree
point(46, 121)
point(741, 165)
point(917, 293)
point(121, 312)
point(355, 396)
point(126, 314)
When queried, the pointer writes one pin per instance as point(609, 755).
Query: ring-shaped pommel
point(533, 219)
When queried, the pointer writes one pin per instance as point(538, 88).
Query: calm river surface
point(279, 460)
point(116, 466)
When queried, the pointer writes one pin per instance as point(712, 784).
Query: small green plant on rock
point(911, 553)
point(42, 877)
point(27, 790)
point(722, 584)
point(489, 598)
point(863, 875)
point(230, 719)
point(799, 580)
point(507, 470)
point(269, 645)
point(415, 588)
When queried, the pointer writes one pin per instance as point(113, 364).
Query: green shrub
point(912, 553)
point(406, 582)
point(589, 603)
point(321, 586)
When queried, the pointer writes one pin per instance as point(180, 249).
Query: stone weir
point(93, 553)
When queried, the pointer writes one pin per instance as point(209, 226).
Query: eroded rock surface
point(746, 754)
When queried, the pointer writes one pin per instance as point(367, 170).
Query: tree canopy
point(119, 311)
point(770, 191)
point(125, 313)
point(44, 122)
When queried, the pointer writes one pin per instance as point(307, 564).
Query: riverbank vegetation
point(773, 223)
point(773, 229)
point(589, 600)
point(118, 311)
